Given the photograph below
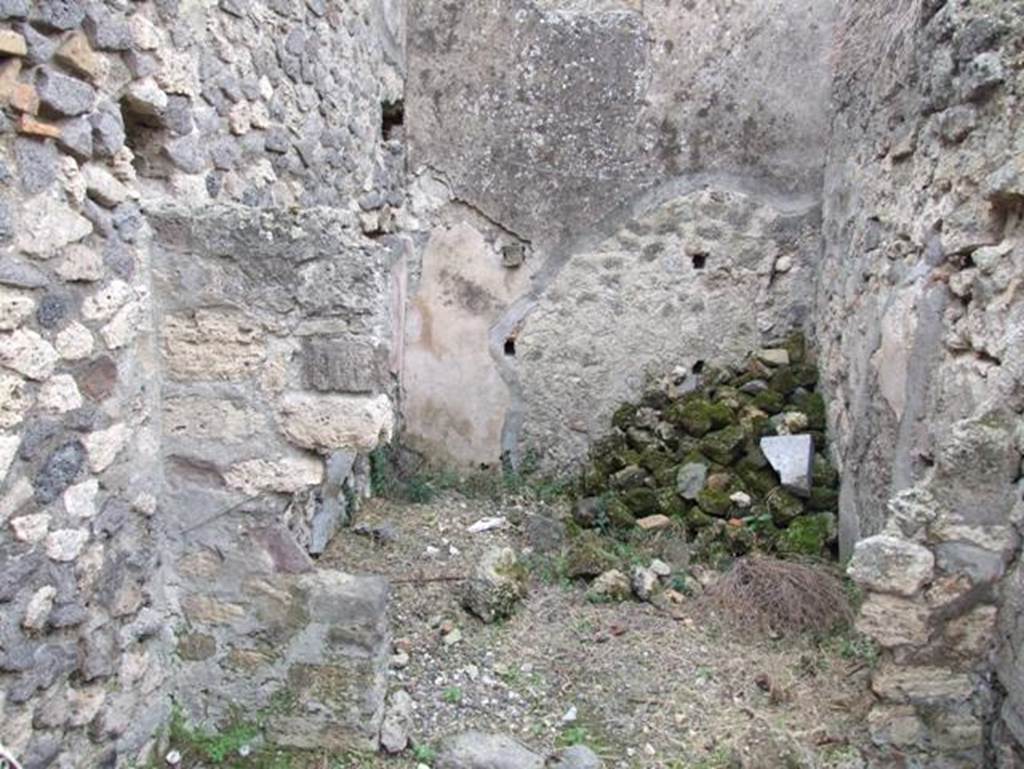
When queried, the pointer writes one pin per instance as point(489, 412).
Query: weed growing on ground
point(452, 695)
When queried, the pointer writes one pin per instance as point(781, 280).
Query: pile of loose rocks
point(736, 455)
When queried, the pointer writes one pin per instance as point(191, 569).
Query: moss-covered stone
point(670, 503)
point(714, 502)
point(594, 482)
point(796, 346)
point(654, 459)
point(692, 414)
point(618, 513)
point(784, 506)
point(624, 416)
point(666, 476)
point(770, 401)
point(823, 473)
point(813, 405)
point(641, 502)
point(758, 480)
point(697, 519)
point(823, 499)
point(724, 446)
point(589, 556)
point(808, 535)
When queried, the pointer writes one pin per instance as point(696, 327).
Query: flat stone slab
point(791, 456)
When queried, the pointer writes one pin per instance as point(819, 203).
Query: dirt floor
point(646, 687)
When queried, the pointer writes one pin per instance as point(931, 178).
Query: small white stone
point(13, 500)
point(15, 307)
point(8, 449)
point(80, 499)
point(27, 353)
point(66, 544)
point(661, 568)
point(173, 758)
point(240, 118)
point(124, 327)
point(59, 394)
point(102, 186)
point(80, 264)
point(741, 499)
point(103, 446)
point(13, 399)
point(47, 225)
point(145, 503)
point(105, 302)
point(74, 342)
point(31, 528)
point(784, 263)
point(39, 608)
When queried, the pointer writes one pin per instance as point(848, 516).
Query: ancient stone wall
point(609, 144)
point(192, 369)
point(919, 321)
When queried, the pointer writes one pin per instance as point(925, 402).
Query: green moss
point(823, 499)
point(796, 346)
point(696, 519)
point(666, 476)
point(594, 482)
point(714, 502)
point(641, 501)
point(588, 556)
point(618, 513)
point(770, 401)
point(654, 459)
point(624, 416)
point(784, 506)
point(823, 474)
point(759, 481)
point(725, 445)
point(698, 415)
point(808, 535)
point(670, 503)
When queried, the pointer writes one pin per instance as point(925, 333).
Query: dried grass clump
point(779, 597)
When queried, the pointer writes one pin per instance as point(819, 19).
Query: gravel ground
point(647, 687)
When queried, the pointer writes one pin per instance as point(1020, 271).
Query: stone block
point(281, 475)
point(924, 686)
point(891, 565)
point(327, 423)
point(212, 345)
point(76, 54)
point(347, 365)
point(894, 621)
point(48, 225)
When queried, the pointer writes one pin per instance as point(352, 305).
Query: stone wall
point(559, 131)
point(192, 368)
point(919, 321)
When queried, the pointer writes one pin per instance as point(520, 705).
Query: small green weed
point(452, 695)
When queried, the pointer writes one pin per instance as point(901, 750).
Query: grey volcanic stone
point(60, 15)
point(16, 273)
point(51, 311)
point(106, 31)
point(690, 479)
point(40, 47)
point(791, 456)
point(13, 9)
point(60, 470)
point(575, 757)
point(186, 153)
point(107, 129)
point(479, 750)
point(63, 95)
point(76, 137)
point(37, 164)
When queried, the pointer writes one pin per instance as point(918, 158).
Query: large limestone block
point(924, 685)
point(891, 565)
point(212, 345)
point(894, 621)
point(327, 423)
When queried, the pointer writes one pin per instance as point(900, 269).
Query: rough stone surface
point(498, 584)
point(326, 423)
point(891, 565)
point(479, 750)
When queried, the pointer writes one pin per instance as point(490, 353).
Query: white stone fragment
point(39, 607)
point(80, 264)
point(47, 225)
point(8, 449)
point(487, 524)
point(327, 423)
point(791, 456)
point(74, 342)
point(123, 327)
point(108, 300)
point(59, 394)
point(31, 528)
point(15, 308)
point(102, 187)
point(891, 565)
point(103, 446)
point(13, 399)
point(80, 499)
point(27, 353)
point(283, 475)
point(66, 544)
point(13, 500)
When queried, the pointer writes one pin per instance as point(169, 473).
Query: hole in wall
point(392, 119)
point(510, 347)
point(698, 367)
point(699, 259)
